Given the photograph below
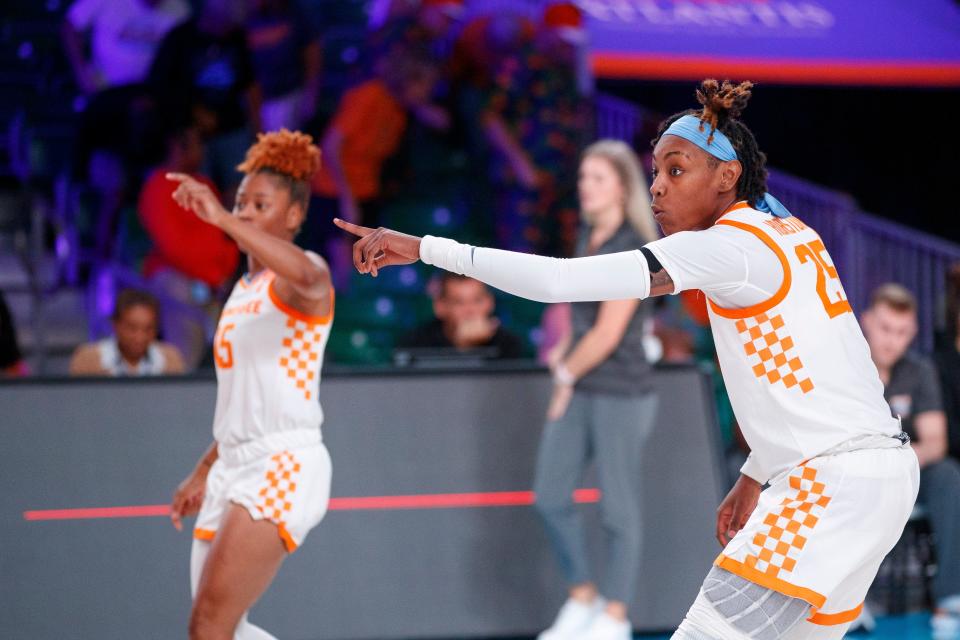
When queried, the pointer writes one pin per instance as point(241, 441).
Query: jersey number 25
point(817, 253)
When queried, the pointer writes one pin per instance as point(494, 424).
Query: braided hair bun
point(722, 102)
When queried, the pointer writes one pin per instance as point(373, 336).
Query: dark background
point(896, 150)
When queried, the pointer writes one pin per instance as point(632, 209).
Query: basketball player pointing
point(799, 556)
point(265, 482)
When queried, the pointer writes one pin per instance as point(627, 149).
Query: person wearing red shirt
point(190, 260)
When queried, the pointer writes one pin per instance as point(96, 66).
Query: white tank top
point(268, 358)
point(795, 362)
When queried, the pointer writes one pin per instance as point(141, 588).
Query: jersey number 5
point(815, 252)
point(222, 349)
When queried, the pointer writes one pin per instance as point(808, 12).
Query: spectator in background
point(133, 349)
point(287, 61)
point(380, 12)
point(124, 36)
point(486, 43)
point(602, 408)
point(482, 45)
point(190, 261)
point(366, 130)
point(913, 391)
point(683, 328)
point(464, 321)
point(426, 24)
point(12, 364)
point(535, 120)
point(203, 69)
point(113, 135)
point(947, 357)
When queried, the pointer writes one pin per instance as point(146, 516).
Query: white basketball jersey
point(796, 365)
point(268, 358)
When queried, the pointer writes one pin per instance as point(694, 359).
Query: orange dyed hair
point(290, 153)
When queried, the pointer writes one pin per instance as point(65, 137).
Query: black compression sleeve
point(652, 261)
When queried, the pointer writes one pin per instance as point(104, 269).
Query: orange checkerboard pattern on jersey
point(301, 350)
point(771, 350)
point(275, 498)
point(784, 533)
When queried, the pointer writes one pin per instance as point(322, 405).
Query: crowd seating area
point(61, 294)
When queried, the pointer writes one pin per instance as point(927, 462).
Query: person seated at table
point(464, 321)
point(133, 349)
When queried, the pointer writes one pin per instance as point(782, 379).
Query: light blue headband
point(690, 128)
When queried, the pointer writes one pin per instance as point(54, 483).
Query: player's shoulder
point(750, 219)
point(742, 214)
point(316, 258)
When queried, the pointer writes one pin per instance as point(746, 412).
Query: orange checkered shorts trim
point(785, 530)
point(274, 498)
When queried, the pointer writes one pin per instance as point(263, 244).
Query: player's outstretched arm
point(616, 276)
point(309, 278)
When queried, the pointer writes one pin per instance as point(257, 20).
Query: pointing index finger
point(355, 229)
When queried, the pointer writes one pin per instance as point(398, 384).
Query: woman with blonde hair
point(602, 406)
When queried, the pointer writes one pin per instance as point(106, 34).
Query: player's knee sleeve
point(704, 622)
point(757, 612)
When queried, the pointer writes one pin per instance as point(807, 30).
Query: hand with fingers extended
point(193, 195)
point(735, 510)
point(379, 248)
point(187, 498)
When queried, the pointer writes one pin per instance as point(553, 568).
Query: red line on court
point(143, 511)
point(367, 503)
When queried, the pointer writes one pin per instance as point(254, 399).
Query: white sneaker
point(945, 626)
point(606, 627)
point(573, 619)
point(945, 623)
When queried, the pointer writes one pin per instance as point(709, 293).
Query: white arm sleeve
point(733, 267)
point(614, 276)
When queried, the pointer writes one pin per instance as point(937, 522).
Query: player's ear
point(730, 173)
point(296, 216)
